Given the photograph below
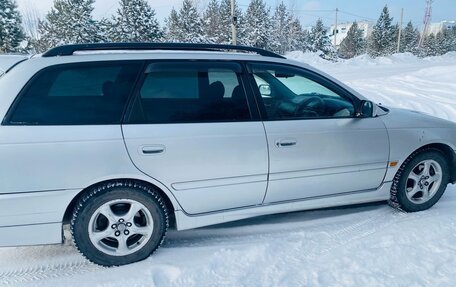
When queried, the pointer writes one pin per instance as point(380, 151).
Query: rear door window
point(77, 94)
point(191, 93)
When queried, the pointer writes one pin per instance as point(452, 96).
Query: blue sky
point(305, 9)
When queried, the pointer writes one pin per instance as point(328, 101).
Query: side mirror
point(365, 109)
point(265, 90)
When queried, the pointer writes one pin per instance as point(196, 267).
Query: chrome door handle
point(153, 149)
point(286, 143)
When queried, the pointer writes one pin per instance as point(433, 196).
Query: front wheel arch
point(398, 194)
point(447, 151)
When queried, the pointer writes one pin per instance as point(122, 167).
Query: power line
point(356, 15)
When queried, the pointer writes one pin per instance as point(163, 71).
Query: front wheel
point(421, 181)
point(119, 223)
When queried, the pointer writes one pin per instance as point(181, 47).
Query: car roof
point(100, 56)
point(154, 51)
point(7, 61)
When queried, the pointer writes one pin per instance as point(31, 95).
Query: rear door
point(191, 127)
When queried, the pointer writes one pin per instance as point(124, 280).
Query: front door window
point(290, 94)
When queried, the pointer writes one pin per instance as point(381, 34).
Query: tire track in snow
point(357, 231)
point(315, 244)
point(44, 272)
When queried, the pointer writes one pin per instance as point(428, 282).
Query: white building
point(434, 28)
point(342, 30)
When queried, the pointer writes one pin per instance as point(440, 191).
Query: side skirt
point(185, 221)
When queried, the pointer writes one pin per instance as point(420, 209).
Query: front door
point(191, 128)
point(317, 146)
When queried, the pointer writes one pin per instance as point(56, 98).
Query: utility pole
point(233, 22)
point(427, 21)
point(335, 28)
point(400, 32)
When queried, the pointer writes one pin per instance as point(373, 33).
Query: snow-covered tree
point(449, 40)
point(354, 44)
point(185, 26)
point(442, 45)
point(307, 43)
point(281, 29)
point(410, 38)
point(384, 36)
point(173, 33)
point(212, 27)
point(69, 21)
point(226, 21)
point(298, 39)
point(320, 39)
point(11, 32)
point(287, 32)
point(257, 30)
point(429, 46)
point(452, 39)
point(135, 21)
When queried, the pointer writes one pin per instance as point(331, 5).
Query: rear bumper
point(35, 234)
point(33, 218)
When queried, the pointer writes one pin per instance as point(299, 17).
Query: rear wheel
point(421, 181)
point(119, 223)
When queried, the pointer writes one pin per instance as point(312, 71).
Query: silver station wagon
point(122, 141)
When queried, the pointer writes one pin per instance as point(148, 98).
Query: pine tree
point(11, 32)
point(172, 27)
point(226, 21)
point(69, 21)
point(320, 39)
point(257, 25)
point(298, 39)
point(410, 38)
point(307, 42)
point(429, 46)
point(452, 39)
point(354, 44)
point(384, 36)
point(449, 40)
point(135, 21)
point(212, 22)
point(441, 43)
point(185, 26)
point(281, 28)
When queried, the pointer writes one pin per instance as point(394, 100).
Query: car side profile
point(122, 141)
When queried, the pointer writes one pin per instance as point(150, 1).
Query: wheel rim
point(424, 181)
point(120, 227)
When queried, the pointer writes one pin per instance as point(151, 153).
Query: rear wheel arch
point(170, 205)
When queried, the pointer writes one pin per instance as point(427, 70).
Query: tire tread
point(104, 188)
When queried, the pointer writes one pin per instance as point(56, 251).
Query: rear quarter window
point(76, 94)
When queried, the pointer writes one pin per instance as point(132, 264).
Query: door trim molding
point(198, 184)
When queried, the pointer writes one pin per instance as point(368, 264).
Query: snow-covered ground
point(370, 245)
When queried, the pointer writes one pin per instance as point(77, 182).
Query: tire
point(119, 223)
point(416, 186)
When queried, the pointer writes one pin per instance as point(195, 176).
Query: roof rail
point(68, 50)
